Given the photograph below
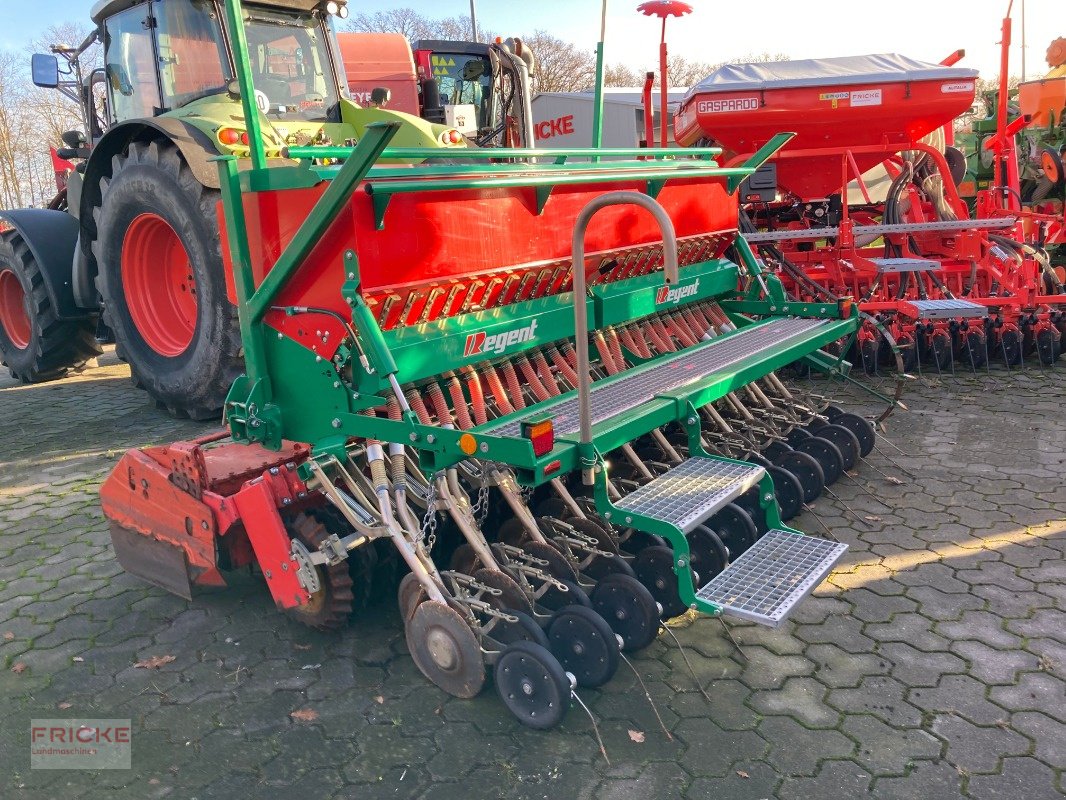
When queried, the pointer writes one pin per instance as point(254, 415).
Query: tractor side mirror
point(45, 70)
point(73, 139)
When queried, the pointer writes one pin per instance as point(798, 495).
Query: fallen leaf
point(379, 700)
point(77, 659)
point(304, 715)
point(636, 736)
point(302, 646)
point(894, 481)
point(18, 667)
point(153, 781)
point(154, 662)
point(873, 518)
point(8, 636)
point(65, 706)
point(743, 774)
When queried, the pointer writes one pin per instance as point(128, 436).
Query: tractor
point(137, 242)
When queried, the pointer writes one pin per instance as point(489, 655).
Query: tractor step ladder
point(772, 576)
point(898, 265)
point(947, 309)
point(641, 384)
point(691, 492)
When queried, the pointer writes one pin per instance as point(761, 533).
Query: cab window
point(129, 62)
point(192, 53)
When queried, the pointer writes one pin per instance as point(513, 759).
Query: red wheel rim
point(13, 316)
point(158, 282)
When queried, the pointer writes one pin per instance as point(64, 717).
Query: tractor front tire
point(163, 283)
point(35, 344)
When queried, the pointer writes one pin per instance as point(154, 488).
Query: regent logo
point(667, 295)
point(480, 343)
point(736, 104)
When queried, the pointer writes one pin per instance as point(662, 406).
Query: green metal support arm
point(325, 211)
point(761, 156)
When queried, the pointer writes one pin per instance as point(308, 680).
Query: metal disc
point(524, 630)
point(940, 350)
point(409, 595)
point(655, 569)
point(709, 554)
point(846, 442)
point(554, 599)
point(863, 430)
point(1010, 348)
point(827, 455)
point(973, 349)
point(445, 650)
point(787, 491)
point(735, 528)
point(589, 527)
point(558, 565)
point(532, 684)
point(750, 502)
point(807, 471)
point(1045, 346)
point(512, 597)
point(628, 607)
point(795, 436)
point(584, 644)
point(777, 449)
point(464, 559)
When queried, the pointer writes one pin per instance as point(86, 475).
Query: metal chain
point(429, 521)
point(480, 510)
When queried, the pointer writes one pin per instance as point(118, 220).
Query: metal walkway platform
point(948, 309)
point(611, 397)
point(947, 226)
point(772, 576)
point(694, 490)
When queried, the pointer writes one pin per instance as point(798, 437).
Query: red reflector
point(552, 467)
point(541, 434)
point(455, 137)
point(244, 139)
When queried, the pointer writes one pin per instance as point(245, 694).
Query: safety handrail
point(581, 321)
point(495, 153)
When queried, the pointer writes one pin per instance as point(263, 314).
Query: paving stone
point(883, 697)
point(883, 749)
point(748, 780)
point(1035, 691)
point(710, 750)
point(835, 667)
point(1047, 734)
point(977, 749)
point(925, 779)
point(800, 698)
point(991, 665)
point(916, 668)
point(1021, 777)
point(958, 694)
point(796, 750)
point(835, 779)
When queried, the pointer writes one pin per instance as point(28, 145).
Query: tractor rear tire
point(35, 344)
point(163, 282)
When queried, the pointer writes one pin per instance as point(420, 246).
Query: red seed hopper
point(869, 106)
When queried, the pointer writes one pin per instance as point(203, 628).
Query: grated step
point(641, 384)
point(895, 265)
point(948, 309)
point(939, 226)
point(772, 576)
point(692, 491)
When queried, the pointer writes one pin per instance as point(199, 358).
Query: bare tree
point(561, 66)
point(622, 75)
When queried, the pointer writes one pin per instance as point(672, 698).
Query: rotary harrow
point(561, 446)
point(870, 210)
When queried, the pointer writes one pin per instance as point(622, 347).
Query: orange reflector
point(455, 137)
point(468, 444)
point(541, 434)
point(845, 307)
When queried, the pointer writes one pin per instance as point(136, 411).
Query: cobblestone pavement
point(932, 664)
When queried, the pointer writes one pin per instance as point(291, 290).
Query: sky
point(717, 30)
